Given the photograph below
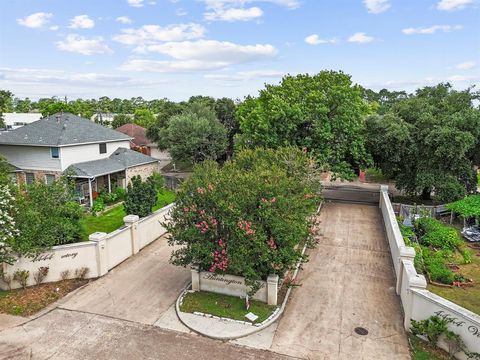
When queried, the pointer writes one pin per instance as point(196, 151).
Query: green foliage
point(157, 181)
point(143, 117)
point(466, 207)
point(56, 107)
point(98, 205)
point(21, 276)
point(195, 135)
point(120, 120)
point(247, 217)
point(429, 142)
point(437, 269)
point(141, 197)
point(8, 227)
point(433, 233)
point(431, 328)
point(5, 104)
point(323, 113)
point(47, 215)
point(467, 256)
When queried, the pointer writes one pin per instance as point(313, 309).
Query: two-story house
point(98, 158)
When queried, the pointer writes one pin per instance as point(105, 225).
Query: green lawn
point(467, 297)
point(113, 219)
point(423, 351)
point(224, 306)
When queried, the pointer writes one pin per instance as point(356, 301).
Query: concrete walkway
point(348, 283)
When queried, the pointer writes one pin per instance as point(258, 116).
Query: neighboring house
point(103, 118)
point(97, 157)
point(16, 120)
point(141, 143)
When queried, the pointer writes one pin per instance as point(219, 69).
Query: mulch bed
point(26, 302)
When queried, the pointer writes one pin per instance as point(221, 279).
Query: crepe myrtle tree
point(8, 227)
point(247, 217)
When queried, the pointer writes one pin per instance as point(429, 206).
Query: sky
point(179, 48)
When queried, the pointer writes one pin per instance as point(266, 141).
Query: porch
point(88, 188)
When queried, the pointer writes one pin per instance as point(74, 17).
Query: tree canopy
point(429, 142)
point(324, 113)
point(195, 135)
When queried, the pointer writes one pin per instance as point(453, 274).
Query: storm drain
point(361, 331)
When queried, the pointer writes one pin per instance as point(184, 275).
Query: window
point(54, 152)
point(49, 178)
point(103, 148)
point(29, 178)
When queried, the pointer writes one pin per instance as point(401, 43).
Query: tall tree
point(225, 110)
point(429, 142)
point(6, 100)
point(324, 113)
point(143, 117)
point(121, 119)
point(195, 135)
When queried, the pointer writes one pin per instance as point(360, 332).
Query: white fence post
point(406, 253)
point(272, 289)
point(413, 281)
point(101, 251)
point(132, 221)
point(195, 278)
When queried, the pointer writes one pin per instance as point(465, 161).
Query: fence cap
point(272, 278)
point(129, 219)
point(407, 252)
point(384, 188)
point(97, 236)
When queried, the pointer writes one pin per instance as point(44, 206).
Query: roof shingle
point(61, 130)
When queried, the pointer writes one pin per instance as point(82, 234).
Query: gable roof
point(61, 130)
point(120, 159)
point(137, 132)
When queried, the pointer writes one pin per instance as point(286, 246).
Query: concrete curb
point(254, 329)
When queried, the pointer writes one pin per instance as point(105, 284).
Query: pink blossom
point(200, 190)
point(210, 187)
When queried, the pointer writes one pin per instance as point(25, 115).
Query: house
point(99, 158)
point(15, 120)
point(143, 144)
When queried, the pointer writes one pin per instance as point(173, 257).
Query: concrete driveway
point(348, 283)
point(140, 289)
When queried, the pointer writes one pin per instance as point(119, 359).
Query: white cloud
point(213, 50)
point(135, 3)
point(30, 76)
point(37, 20)
point(81, 22)
point(450, 5)
point(246, 75)
point(431, 30)
point(466, 65)
point(84, 46)
point(361, 38)
point(189, 56)
point(148, 34)
point(54, 27)
point(123, 20)
point(289, 4)
point(233, 14)
point(464, 78)
point(376, 6)
point(314, 39)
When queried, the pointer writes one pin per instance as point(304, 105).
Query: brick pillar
point(100, 238)
point(132, 222)
point(272, 289)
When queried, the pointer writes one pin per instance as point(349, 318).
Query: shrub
point(47, 215)
point(21, 276)
point(65, 274)
point(435, 264)
point(81, 273)
point(141, 197)
point(431, 328)
point(157, 181)
point(98, 205)
point(467, 256)
point(247, 217)
point(433, 233)
point(40, 275)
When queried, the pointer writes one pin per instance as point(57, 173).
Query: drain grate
point(361, 331)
